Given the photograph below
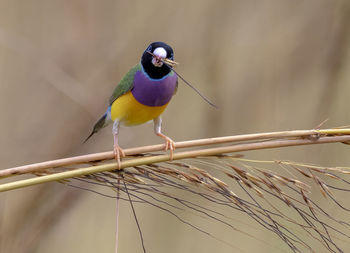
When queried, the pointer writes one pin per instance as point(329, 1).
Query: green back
point(125, 84)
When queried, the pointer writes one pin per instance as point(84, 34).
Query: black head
point(154, 67)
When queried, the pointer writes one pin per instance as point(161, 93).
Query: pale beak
point(157, 61)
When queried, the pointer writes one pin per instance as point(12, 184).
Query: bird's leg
point(169, 143)
point(118, 152)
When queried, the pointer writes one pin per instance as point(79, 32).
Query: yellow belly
point(130, 112)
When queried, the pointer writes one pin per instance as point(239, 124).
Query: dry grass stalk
point(270, 140)
point(311, 134)
point(226, 182)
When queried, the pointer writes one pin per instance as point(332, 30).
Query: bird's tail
point(102, 122)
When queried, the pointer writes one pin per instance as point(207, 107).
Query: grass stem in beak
point(167, 61)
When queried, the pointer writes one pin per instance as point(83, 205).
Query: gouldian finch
point(142, 95)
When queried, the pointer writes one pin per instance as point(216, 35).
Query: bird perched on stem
point(142, 95)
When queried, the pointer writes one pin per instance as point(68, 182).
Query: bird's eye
point(149, 48)
point(171, 56)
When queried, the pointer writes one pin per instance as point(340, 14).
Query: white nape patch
point(160, 52)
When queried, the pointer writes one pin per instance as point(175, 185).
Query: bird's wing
point(125, 85)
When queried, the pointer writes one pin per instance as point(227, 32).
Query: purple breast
point(153, 92)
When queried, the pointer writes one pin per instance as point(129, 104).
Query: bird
point(142, 95)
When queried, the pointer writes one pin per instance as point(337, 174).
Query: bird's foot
point(169, 144)
point(118, 154)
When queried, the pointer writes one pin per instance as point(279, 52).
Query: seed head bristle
point(301, 185)
point(132, 179)
point(239, 171)
point(255, 180)
point(286, 200)
point(306, 200)
point(219, 182)
point(331, 175)
point(193, 178)
point(258, 192)
point(326, 188)
point(232, 176)
point(281, 180)
point(181, 164)
point(319, 170)
point(302, 172)
point(140, 170)
point(273, 186)
point(246, 182)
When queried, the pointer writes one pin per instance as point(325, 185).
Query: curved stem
point(176, 156)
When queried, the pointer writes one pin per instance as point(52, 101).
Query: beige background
point(268, 65)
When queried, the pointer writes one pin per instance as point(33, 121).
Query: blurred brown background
point(268, 65)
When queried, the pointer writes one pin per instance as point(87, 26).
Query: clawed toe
point(118, 154)
point(169, 145)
